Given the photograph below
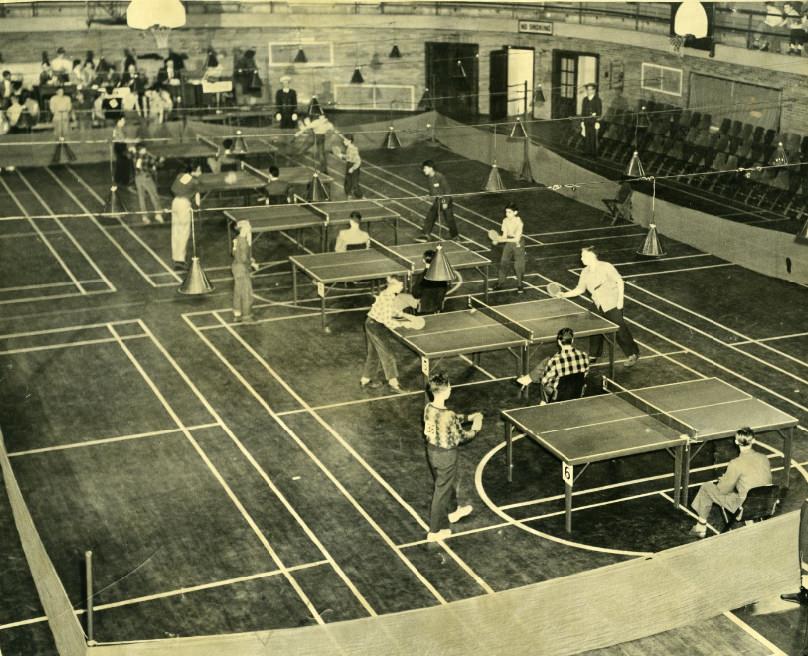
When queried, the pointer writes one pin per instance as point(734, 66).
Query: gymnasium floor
point(233, 478)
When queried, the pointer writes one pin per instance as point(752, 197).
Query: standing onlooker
point(6, 90)
point(442, 202)
point(353, 165)
point(605, 285)
point(185, 188)
point(792, 11)
point(513, 249)
point(591, 111)
point(241, 268)
point(286, 104)
point(61, 109)
point(444, 432)
point(145, 174)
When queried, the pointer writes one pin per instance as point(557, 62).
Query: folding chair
point(569, 387)
point(760, 503)
point(619, 207)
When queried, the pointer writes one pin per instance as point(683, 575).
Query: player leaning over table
point(605, 286)
point(749, 470)
point(184, 188)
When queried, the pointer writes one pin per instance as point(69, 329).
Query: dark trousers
point(319, 152)
point(590, 139)
point(624, 336)
point(443, 466)
point(123, 165)
point(448, 215)
point(351, 186)
point(512, 253)
point(379, 352)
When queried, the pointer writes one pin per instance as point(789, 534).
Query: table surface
point(472, 331)
point(194, 148)
point(371, 264)
point(289, 216)
point(607, 426)
point(295, 175)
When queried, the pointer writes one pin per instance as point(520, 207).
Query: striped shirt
point(384, 308)
point(443, 428)
point(567, 361)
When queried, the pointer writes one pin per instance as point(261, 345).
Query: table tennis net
point(67, 632)
point(394, 255)
point(246, 166)
point(496, 315)
point(649, 408)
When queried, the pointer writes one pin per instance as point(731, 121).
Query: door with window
point(571, 71)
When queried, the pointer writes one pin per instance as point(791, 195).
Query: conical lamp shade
point(643, 123)
point(517, 131)
point(395, 53)
point(440, 269)
point(239, 145)
point(300, 57)
point(635, 169)
point(375, 62)
point(538, 95)
point(802, 235)
point(425, 104)
point(314, 108)
point(357, 78)
point(651, 246)
point(196, 282)
point(391, 141)
point(779, 158)
point(494, 182)
point(317, 190)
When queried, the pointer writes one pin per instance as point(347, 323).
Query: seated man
point(14, 114)
point(353, 236)
point(430, 293)
point(566, 361)
point(224, 160)
point(750, 469)
point(277, 191)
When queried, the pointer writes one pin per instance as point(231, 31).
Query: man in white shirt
point(605, 286)
point(352, 236)
point(513, 249)
point(61, 64)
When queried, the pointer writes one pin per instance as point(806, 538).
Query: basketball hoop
point(160, 34)
point(677, 42)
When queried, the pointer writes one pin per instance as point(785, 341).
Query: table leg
point(322, 311)
point(395, 230)
point(685, 493)
point(294, 283)
point(323, 238)
point(611, 343)
point(568, 505)
point(509, 447)
point(485, 283)
point(788, 439)
point(677, 476)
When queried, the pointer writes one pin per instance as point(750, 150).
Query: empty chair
point(706, 122)
point(619, 207)
point(735, 130)
point(769, 137)
point(792, 145)
point(571, 386)
point(726, 125)
point(695, 119)
point(719, 163)
point(757, 134)
point(721, 144)
point(746, 132)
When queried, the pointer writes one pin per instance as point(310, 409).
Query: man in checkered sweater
point(566, 361)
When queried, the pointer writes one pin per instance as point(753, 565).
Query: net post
point(88, 573)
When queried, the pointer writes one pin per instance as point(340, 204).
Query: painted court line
point(774, 649)
point(217, 475)
point(270, 484)
point(42, 237)
point(685, 270)
point(63, 329)
point(107, 440)
point(68, 234)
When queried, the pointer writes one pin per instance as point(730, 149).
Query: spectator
point(61, 64)
point(794, 21)
point(6, 90)
point(46, 74)
point(774, 20)
point(76, 73)
point(14, 113)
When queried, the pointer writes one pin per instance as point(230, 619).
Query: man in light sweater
point(605, 286)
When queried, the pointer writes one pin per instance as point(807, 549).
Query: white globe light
point(691, 19)
point(143, 14)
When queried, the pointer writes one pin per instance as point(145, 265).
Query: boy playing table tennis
point(566, 361)
point(443, 433)
point(513, 248)
point(353, 236)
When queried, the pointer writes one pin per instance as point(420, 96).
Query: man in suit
point(749, 470)
point(591, 111)
point(286, 104)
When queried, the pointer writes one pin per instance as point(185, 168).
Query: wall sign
point(536, 27)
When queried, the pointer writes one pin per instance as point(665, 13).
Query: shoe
point(398, 389)
point(525, 380)
point(236, 318)
point(248, 319)
point(159, 218)
point(632, 360)
point(438, 536)
point(520, 289)
point(371, 384)
point(145, 220)
point(699, 530)
point(421, 239)
point(800, 597)
point(460, 513)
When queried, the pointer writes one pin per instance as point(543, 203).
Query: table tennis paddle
point(554, 289)
point(493, 235)
point(413, 322)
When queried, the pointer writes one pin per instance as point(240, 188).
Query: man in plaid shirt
point(566, 361)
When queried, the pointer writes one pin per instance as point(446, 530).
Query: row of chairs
point(675, 141)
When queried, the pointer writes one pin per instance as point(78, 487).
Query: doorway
point(511, 68)
point(571, 71)
point(452, 76)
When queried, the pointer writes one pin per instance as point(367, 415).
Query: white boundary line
point(69, 234)
point(270, 484)
point(775, 650)
point(84, 342)
point(44, 239)
point(217, 475)
point(666, 271)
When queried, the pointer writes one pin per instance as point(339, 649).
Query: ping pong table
point(672, 417)
point(515, 327)
point(327, 270)
point(299, 216)
point(202, 147)
point(248, 178)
